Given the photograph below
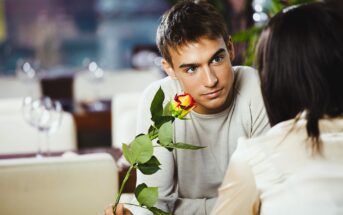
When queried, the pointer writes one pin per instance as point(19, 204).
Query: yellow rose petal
point(185, 100)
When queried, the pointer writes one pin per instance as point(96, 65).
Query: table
point(115, 153)
point(93, 127)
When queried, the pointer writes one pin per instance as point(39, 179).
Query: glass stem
point(47, 143)
point(40, 143)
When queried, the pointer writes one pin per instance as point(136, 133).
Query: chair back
point(79, 184)
point(114, 82)
point(17, 136)
point(12, 87)
point(124, 117)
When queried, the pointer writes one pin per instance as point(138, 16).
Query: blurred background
point(71, 75)
point(115, 34)
point(86, 53)
point(62, 33)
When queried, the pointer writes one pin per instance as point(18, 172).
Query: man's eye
point(191, 69)
point(217, 59)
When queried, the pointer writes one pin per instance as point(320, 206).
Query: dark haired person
point(197, 53)
point(297, 166)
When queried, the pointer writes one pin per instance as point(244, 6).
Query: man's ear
point(168, 69)
point(230, 48)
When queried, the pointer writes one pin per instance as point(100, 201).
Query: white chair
point(70, 185)
point(17, 136)
point(114, 82)
point(124, 117)
point(12, 87)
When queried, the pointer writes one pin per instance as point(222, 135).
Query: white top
point(280, 171)
point(188, 180)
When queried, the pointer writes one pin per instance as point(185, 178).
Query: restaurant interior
point(83, 65)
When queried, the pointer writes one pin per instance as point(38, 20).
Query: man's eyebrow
point(188, 65)
point(221, 50)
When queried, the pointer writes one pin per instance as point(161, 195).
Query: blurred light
point(256, 17)
point(93, 66)
point(26, 66)
point(260, 17)
point(258, 8)
point(158, 61)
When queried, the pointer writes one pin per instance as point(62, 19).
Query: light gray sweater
point(188, 180)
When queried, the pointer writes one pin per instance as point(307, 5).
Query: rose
point(139, 153)
point(182, 105)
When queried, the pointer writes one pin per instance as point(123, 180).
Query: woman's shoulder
point(259, 148)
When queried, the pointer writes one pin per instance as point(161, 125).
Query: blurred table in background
point(93, 126)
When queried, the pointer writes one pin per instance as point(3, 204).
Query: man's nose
point(210, 77)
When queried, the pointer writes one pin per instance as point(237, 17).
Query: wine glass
point(56, 113)
point(45, 115)
point(31, 115)
point(26, 71)
point(97, 78)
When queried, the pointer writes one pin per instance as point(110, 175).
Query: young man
point(197, 53)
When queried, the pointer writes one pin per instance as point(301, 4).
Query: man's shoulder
point(247, 80)
point(245, 75)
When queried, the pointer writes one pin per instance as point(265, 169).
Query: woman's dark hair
point(301, 66)
point(187, 21)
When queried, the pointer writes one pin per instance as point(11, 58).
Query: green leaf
point(156, 107)
point(166, 146)
point(183, 146)
point(166, 110)
point(141, 148)
point(150, 167)
point(163, 119)
point(146, 195)
point(128, 154)
point(153, 132)
point(245, 35)
point(276, 7)
point(165, 134)
point(157, 211)
point(139, 188)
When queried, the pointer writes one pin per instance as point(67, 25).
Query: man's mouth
point(213, 94)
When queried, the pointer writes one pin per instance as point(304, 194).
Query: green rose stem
point(139, 153)
point(128, 173)
point(127, 176)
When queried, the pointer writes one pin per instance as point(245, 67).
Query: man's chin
point(215, 106)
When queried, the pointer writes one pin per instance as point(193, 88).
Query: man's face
point(204, 70)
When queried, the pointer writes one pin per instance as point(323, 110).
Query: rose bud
point(182, 105)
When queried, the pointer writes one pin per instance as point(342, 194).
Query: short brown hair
point(187, 21)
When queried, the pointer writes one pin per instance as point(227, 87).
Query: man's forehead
point(191, 43)
point(195, 50)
